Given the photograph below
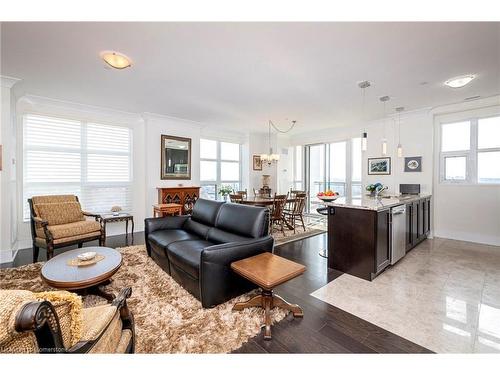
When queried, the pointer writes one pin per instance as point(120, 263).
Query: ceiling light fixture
point(461, 81)
point(384, 99)
point(274, 158)
point(363, 85)
point(116, 60)
point(400, 148)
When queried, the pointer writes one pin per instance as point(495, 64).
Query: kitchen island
point(359, 231)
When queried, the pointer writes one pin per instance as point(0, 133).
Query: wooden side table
point(268, 271)
point(165, 209)
point(110, 218)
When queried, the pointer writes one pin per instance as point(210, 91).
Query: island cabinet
point(358, 241)
point(418, 222)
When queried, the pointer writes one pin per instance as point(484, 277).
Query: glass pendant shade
point(384, 147)
point(364, 142)
point(400, 151)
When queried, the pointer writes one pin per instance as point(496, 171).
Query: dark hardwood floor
point(323, 329)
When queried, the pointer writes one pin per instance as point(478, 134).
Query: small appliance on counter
point(409, 189)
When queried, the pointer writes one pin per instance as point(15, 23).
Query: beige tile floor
point(443, 295)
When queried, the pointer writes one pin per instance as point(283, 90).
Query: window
point(470, 151)
point(92, 161)
point(335, 166)
point(219, 165)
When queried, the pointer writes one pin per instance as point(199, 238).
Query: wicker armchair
point(55, 322)
point(58, 221)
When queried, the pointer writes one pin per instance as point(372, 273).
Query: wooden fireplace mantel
point(185, 195)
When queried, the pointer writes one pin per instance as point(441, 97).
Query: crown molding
point(8, 82)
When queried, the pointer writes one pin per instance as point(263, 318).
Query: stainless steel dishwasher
point(398, 233)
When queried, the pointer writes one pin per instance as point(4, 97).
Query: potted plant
point(224, 191)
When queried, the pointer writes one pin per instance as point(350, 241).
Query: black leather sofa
point(197, 250)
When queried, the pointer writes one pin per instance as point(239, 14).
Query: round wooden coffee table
point(83, 279)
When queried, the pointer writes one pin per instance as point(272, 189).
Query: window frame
point(84, 152)
point(471, 155)
point(218, 182)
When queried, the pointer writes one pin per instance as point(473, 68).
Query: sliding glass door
point(335, 166)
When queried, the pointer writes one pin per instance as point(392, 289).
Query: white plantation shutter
point(92, 161)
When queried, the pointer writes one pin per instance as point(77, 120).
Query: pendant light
point(364, 138)
point(400, 148)
point(384, 99)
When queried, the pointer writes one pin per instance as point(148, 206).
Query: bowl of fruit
point(327, 196)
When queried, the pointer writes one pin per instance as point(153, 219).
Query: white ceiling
point(242, 74)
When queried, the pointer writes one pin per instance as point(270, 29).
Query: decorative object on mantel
point(379, 166)
point(225, 190)
point(400, 148)
point(363, 85)
point(175, 158)
point(271, 157)
point(257, 163)
point(413, 164)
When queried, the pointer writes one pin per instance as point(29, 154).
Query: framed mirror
point(175, 158)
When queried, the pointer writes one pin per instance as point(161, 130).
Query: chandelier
point(272, 158)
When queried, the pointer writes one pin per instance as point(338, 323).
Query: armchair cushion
point(95, 320)
point(77, 228)
point(68, 307)
point(11, 341)
point(59, 213)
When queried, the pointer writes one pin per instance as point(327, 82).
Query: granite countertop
point(370, 203)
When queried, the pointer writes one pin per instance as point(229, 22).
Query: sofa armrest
point(218, 282)
point(153, 224)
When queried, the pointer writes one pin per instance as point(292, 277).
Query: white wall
point(462, 212)
point(416, 139)
point(8, 182)
point(466, 212)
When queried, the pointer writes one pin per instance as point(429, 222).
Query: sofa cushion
point(205, 211)
point(71, 229)
point(59, 213)
point(186, 255)
point(163, 238)
point(243, 220)
point(218, 236)
point(197, 228)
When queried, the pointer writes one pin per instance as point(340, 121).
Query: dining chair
point(243, 193)
point(296, 210)
point(277, 212)
point(236, 198)
point(256, 192)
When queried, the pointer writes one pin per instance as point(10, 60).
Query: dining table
point(264, 202)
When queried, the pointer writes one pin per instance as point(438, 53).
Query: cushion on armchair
point(68, 307)
point(103, 320)
point(71, 229)
point(60, 212)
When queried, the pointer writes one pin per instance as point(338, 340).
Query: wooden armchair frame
point(49, 239)
point(42, 320)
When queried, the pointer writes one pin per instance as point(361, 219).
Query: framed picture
point(257, 163)
point(379, 166)
point(175, 158)
point(413, 164)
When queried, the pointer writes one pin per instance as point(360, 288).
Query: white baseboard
point(469, 237)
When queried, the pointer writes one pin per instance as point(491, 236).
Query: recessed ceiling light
point(116, 60)
point(460, 81)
